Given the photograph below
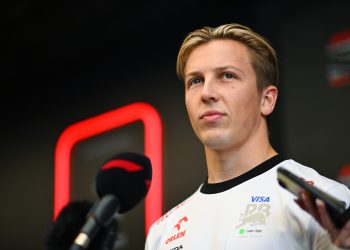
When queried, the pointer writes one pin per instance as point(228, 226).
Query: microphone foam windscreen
point(127, 176)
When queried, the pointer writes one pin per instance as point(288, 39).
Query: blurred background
point(66, 61)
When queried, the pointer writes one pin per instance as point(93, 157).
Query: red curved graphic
point(126, 165)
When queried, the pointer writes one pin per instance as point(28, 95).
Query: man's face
point(222, 100)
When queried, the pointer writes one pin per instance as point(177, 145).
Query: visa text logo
point(260, 199)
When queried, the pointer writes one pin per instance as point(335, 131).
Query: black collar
point(213, 188)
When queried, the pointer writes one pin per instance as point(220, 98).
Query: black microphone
point(121, 183)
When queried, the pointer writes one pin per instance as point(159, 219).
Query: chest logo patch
point(254, 217)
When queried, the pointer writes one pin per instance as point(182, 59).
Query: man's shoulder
point(168, 220)
point(317, 179)
point(174, 211)
point(299, 168)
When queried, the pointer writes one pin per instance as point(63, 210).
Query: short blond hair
point(262, 55)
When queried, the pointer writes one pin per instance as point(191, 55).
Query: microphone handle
point(101, 215)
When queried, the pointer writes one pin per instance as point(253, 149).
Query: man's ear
point(268, 100)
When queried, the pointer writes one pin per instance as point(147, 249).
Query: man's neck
point(227, 164)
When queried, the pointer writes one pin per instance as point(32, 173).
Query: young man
point(231, 76)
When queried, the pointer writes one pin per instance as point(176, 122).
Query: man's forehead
point(218, 54)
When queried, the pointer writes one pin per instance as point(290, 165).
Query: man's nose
point(209, 91)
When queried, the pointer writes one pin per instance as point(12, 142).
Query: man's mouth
point(211, 115)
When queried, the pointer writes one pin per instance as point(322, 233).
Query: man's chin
point(216, 142)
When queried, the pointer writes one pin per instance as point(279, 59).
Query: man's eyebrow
point(221, 68)
point(228, 67)
point(193, 73)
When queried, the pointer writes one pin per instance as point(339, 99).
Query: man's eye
point(195, 81)
point(228, 75)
